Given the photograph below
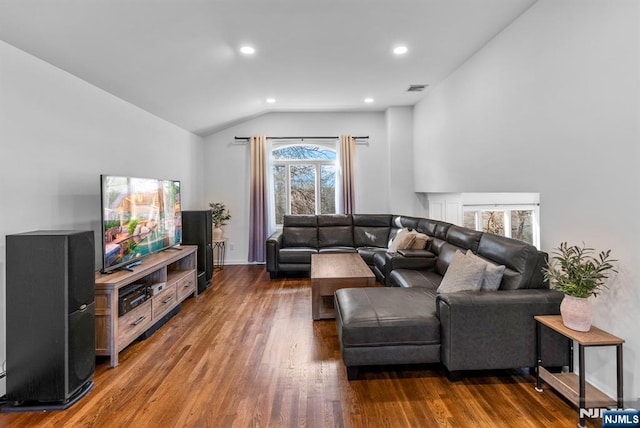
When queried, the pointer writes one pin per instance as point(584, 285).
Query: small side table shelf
point(573, 386)
point(219, 249)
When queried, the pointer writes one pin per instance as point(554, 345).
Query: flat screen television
point(140, 216)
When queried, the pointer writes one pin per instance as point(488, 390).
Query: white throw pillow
point(492, 275)
point(463, 274)
point(402, 241)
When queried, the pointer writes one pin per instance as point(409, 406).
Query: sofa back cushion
point(371, 230)
point(435, 245)
point(464, 237)
point(300, 231)
point(456, 238)
point(372, 220)
point(441, 229)
point(427, 226)
point(404, 222)
point(335, 231)
point(519, 258)
point(445, 255)
point(328, 220)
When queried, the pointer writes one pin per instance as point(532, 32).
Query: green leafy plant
point(579, 271)
point(219, 214)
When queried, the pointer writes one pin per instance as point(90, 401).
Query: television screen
point(140, 216)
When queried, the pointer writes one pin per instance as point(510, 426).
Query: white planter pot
point(217, 234)
point(576, 313)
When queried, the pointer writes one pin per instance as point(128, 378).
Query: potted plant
point(579, 272)
point(219, 217)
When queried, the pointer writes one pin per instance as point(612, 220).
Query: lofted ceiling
point(180, 59)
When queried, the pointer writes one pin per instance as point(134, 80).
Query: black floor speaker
point(50, 318)
point(196, 230)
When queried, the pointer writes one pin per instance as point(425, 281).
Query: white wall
point(402, 198)
point(551, 105)
point(227, 163)
point(58, 134)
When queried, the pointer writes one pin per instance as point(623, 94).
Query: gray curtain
point(258, 216)
point(347, 154)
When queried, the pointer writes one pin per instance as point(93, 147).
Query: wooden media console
point(176, 268)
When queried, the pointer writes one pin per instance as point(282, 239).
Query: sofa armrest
point(274, 243)
point(496, 330)
point(425, 260)
point(416, 253)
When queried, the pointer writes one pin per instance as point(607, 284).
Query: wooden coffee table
point(330, 272)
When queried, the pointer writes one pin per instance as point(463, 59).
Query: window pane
point(304, 152)
point(493, 222)
point(303, 189)
point(327, 189)
point(280, 192)
point(469, 219)
point(522, 225)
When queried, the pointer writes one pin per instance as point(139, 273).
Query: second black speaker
point(196, 230)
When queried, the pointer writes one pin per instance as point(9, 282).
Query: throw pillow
point(463, 274)
point(492, 275)
point(420, 241)
point(402, 241)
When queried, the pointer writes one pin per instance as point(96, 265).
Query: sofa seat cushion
point(368, 253)
point(338, 249)
point(373, 316)
point(297, 254)
point(415, 278)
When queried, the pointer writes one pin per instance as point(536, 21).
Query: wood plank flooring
point(246, 353)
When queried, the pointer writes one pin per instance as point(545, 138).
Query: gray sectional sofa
point(408, 321)
point(290, 249)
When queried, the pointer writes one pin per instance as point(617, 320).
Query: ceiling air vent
point(416, 88)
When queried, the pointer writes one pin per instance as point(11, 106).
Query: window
point(514, 221)
point(304, 180)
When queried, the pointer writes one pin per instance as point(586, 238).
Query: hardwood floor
point(246, 353)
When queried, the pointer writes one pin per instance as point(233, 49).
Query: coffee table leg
point(315, 301)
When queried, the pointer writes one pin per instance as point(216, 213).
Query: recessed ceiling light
point(368, 100)
point(271, 100)
point(400, 50)
point(247, 50)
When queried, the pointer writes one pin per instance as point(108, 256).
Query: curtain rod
point(537, 204)
point(303, 138)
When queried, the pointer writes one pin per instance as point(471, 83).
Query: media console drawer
point(163, 302)
point(186, 286)
point(134, 323)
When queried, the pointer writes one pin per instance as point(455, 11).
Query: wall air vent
point(416, 88)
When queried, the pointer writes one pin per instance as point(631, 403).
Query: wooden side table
point(219, 248)
point(574, 387)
